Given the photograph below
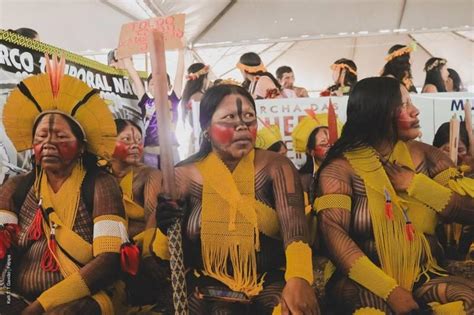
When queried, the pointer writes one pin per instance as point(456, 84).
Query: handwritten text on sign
point(134, 36)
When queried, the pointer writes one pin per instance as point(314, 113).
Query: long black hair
point(433, 75)
point(399, 67)
point(252, 59)
point(371, 110)
point(457, 83)
point(193, 86)
point(308, 166)
point(350, 79)
point(211, 99)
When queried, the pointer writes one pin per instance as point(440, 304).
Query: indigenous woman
point(258, 81)
point(380, 196)
point(398, 65)
point(245, 218)
point(344, 74)
point(197, 83)
point(269, 138)
point(436, 75)
point(67, 213)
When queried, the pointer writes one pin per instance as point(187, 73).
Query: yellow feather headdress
point(54, 92)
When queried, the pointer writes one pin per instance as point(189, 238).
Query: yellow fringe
point(429, 192)
point(399, 257)
point(229, 228)
point(451, 308)
point(368, 311)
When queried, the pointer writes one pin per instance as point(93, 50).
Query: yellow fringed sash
point(399, 257)
point(65, 203)
point(230, 222)
point(132, 209)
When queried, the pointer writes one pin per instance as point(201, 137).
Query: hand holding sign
point(134, 36)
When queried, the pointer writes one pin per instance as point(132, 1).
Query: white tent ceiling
point(307, 35)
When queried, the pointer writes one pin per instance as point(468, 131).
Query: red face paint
point(68, 150)
point(320, 151)
point(121, 151)
point(221, 134)
point(253, 132)
point(403, 120)
point(37, 148)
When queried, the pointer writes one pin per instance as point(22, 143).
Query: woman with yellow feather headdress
point(245, 235)
point(380, 196)
point(67, 215)
point(269, 138)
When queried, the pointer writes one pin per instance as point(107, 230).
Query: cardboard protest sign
point(134, 36)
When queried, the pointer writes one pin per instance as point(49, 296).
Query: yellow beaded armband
point(455, 180)
point(367, 274)
point(155, 242)
point(429, 192)
point(70, 289)
point(298, 262)
point(333, 201)
point(109, 234)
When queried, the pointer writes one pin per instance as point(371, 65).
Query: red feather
point(332, 123)
point(130, 258)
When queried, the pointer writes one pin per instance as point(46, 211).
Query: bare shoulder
point(271, 160)
point(147, 171)
point(429, 88)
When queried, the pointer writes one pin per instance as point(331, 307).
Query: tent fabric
point(307, 35)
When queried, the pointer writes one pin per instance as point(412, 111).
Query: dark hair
point(433, 76)
point(457, 83)
point(282, 70)
point(89, 160)
point(209, 103)
point(121, 124)
point(308, 166)
point(371, 110)
point(399, 67)
point(350, 79)
point(151, 76)
point(252, 59)
point(276, 146)
point(193, 86)
point(442, 135)
point(26, 32)
point(111, 57)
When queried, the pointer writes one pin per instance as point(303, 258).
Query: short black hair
point(282, 70)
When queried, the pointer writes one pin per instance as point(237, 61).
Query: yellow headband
point(402, 51)
point(342, 66)
point(197, 74)
point(251, 69)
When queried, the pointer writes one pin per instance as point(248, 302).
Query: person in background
point(259, 82)
point(398, 65)
point(436, 75)
point(26, 32)
point(344, 74)
point(454, 83)
point(269, 138)
point(286, 77)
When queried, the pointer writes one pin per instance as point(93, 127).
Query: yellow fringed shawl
point(230, 223)
point(400, 258)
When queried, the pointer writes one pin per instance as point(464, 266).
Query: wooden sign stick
point(468, 120)
point(175, 244)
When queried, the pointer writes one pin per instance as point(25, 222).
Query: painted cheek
point(140, 148)
point(121, 151)
point(221, 134)
point(37, 148)
point(320, 151)
point(403, 120)
point(68, 150)
point(253, 132)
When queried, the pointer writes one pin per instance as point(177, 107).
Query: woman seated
point(258, 81)
point(67, 214)
point(436, 75)
point(380, 196)
point(269, 138)
point(344, 74)
point(245, 235)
